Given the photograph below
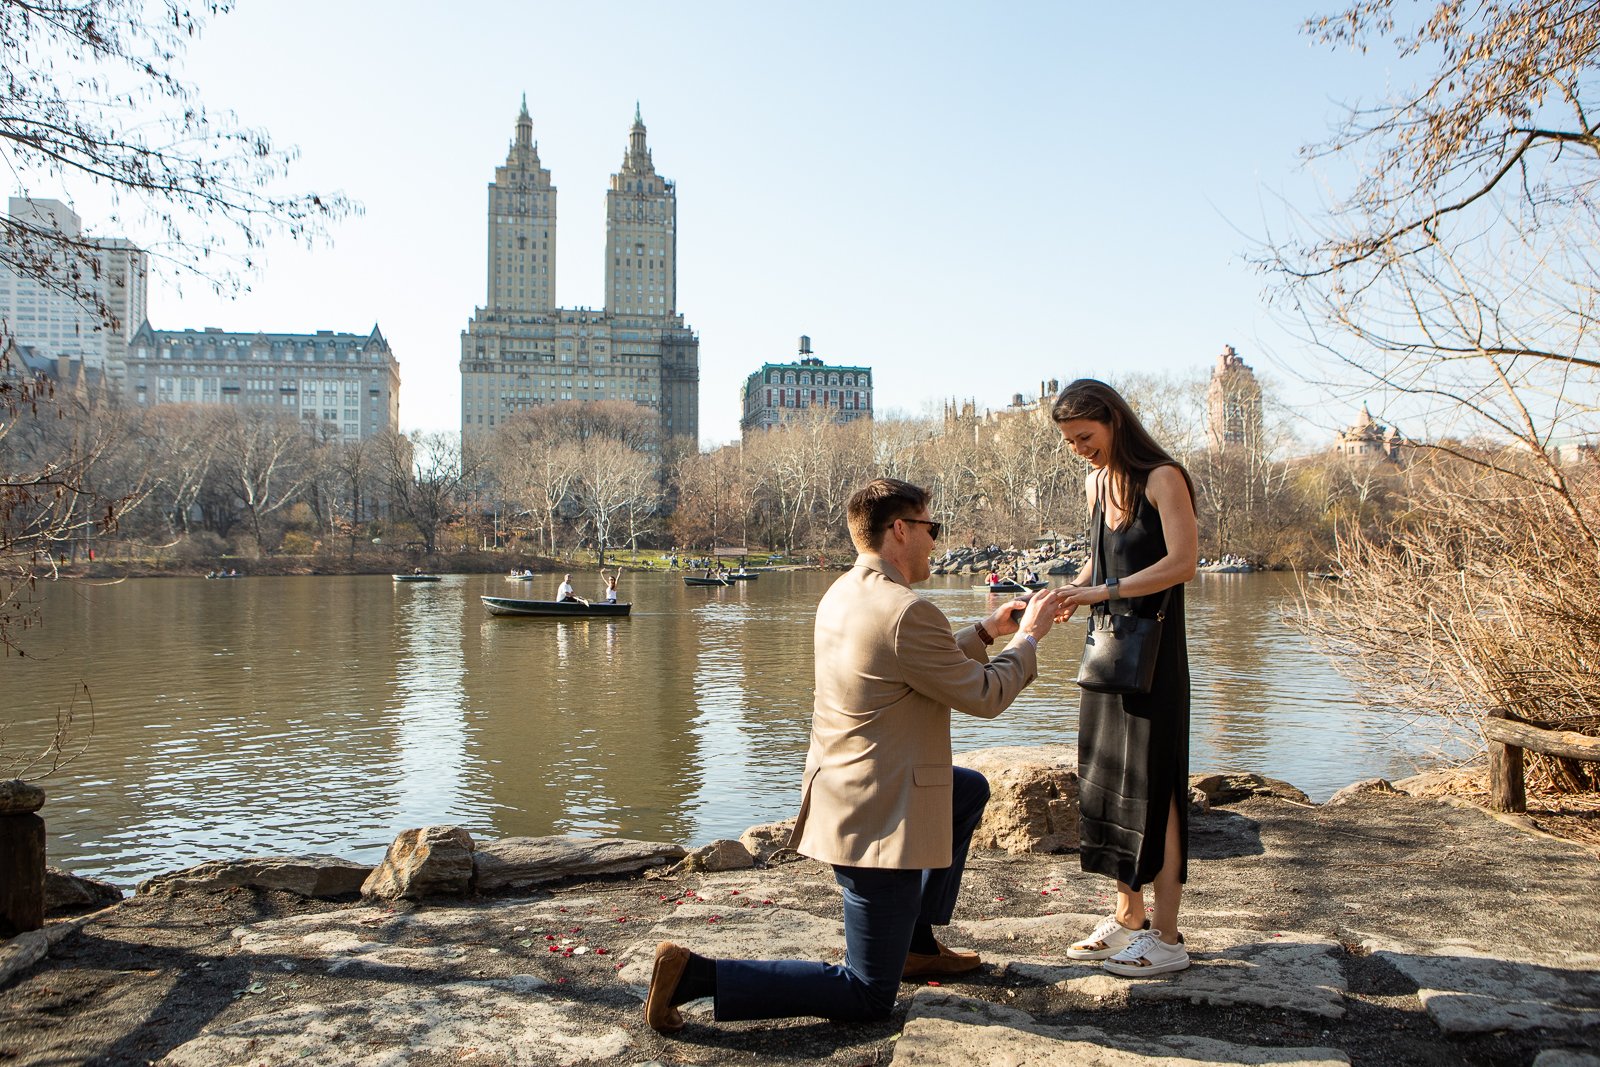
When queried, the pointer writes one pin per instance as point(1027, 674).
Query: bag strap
point(1097, 564)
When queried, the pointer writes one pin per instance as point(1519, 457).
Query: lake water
point(324, 714)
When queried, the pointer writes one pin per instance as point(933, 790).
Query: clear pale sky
point(967, 198)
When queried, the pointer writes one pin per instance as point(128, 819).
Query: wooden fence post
point(1506, 792)
point(21, 858)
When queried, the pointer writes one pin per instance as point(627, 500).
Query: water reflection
point(324, 714)
point(427, 716)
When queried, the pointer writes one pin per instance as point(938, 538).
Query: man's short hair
point(876, 505)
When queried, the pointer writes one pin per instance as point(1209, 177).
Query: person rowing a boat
point(566, 594)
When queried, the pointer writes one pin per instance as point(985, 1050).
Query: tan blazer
point(877, 783)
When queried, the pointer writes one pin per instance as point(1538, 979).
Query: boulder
point(1355, 789)
point(307, 876)
point(67, 892)
point(720, 855)
point(1033, 797)
point(1445, 781)
point(768, 838)
point(20, 798)
point(1560, 1057)
point(1225, 788)
point(516, 862)
point(430, 861)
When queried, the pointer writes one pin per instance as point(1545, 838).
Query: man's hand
point(999, 623)
point(1039, 613)
point(1043, 609)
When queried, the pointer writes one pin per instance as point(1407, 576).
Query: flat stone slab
point(945, 1029)
point(309, 876)
point(422, 940)
point(519, 862)
point(1467, 991)
point(507, 1021)
point(753, 933)
point(1231, 968)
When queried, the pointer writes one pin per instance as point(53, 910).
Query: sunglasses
point(934, 528)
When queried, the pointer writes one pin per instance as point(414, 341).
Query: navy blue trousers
point(882, 907)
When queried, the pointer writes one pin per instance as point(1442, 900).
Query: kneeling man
point(881, 801)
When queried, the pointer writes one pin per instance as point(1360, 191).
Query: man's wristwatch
point(1112, 592)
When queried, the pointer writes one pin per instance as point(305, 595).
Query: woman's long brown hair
point(1134, 453)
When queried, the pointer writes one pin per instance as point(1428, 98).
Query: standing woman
point(1133, 749)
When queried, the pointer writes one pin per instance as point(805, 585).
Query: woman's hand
point(1084, 596)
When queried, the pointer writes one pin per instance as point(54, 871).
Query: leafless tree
point(426, 475)
point(92, 94)
point(713, 497)
point(608, 473)
point(1457, 277)
point(177, 443)
point(265, 460)
point(51, 443)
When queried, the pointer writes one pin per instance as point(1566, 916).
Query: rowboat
point(1009, 587)
point(501, 605)
point(415, 577)
point(519, 577)
point(689, 579)
point(743, 576)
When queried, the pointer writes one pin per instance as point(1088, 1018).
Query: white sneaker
point(1147, 955)
point(1109, 938)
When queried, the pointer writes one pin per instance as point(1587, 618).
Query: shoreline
point(1374, 929)
point(1461, 786)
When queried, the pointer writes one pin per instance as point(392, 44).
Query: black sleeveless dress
point(1133, 749)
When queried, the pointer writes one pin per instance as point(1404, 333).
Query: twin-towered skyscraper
point(521, 350)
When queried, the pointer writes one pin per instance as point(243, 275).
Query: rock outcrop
point(431, 861)
point(519, 862)
point(20, 798)
point(65, 892)
point(1033, 798)
point(309, 876)
point(720, 855)
point(765, 841)
point(1226, 788)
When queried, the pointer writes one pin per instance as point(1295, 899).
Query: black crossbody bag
point(1119, 652)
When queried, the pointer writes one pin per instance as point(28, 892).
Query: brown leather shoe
point(946, 962)
point(664, 978)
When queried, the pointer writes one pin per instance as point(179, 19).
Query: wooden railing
point(1508, 736)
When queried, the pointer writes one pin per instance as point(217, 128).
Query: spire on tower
point(638, 157)
point(524, 124)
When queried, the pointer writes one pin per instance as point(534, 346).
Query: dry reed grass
point(1484, 594)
